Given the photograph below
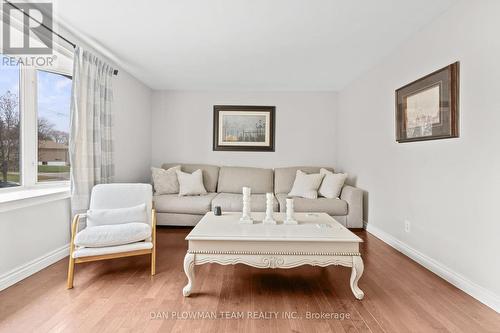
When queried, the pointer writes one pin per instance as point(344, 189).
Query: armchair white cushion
point(112, 235)
point(112, 196)
point(83, 252)
point(99, 217)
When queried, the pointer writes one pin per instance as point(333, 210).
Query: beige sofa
point(224, 185)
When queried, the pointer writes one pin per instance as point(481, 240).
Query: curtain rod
point(115, 72)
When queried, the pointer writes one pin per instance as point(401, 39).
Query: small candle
point(290, 212)
point(269, 196)
point(247, 191)
point(289, 208)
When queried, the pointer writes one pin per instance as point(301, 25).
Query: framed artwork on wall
point(427, 109)
point(243, 128)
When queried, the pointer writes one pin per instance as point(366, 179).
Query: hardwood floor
point(120, 296)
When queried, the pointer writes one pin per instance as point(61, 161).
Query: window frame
point(28, 113)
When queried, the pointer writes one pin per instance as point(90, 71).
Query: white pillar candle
point(247, 191)
point(247, 199)
point(269, 209)
point(289, 208)
point(289, 212)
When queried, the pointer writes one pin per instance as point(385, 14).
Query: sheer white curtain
point(90, 143)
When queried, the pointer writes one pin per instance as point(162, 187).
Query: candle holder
point(269, 209)
point(247, 202)
point(290, 212)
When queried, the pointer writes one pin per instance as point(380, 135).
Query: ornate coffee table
point(317, 240)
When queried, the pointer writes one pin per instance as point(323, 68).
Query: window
point(34, 125)
point(53, 101)
point(10, 127)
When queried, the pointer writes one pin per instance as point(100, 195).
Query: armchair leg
point(71, 272)
point(153, 262)
point(71, 266)
point(153, 239)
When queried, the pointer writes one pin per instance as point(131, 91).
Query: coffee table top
point(316, 227)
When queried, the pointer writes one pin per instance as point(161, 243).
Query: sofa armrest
point(354, 198)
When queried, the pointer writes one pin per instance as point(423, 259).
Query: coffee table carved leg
point(189, 270)
point(357, 271)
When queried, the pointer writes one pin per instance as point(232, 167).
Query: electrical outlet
point(407, 226)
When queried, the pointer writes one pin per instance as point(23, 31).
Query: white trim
point(28, 101)
point(25, 197)
point(480, 293)
point(30, 268)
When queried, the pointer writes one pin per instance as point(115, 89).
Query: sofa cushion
point(210, 173)
point(233, 202)
point(233, 179)
point(112, 235)
point(319, 205)
point(284, 177)
point(172, 203)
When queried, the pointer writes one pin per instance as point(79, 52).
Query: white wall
point(447, 189)
point(305, 128)
point(32, 238)
point(132, 128)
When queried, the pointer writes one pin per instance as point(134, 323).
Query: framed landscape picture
point(427, 109)
point(243, 128)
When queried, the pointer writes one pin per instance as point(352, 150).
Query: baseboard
point(30, 268)
point(481, 294)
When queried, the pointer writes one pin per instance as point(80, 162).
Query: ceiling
point(279, 45)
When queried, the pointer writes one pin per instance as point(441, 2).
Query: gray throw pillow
point(165, 181)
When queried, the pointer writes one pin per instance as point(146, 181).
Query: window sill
point(24, 197)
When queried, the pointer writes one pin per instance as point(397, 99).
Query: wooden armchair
point(121, 222)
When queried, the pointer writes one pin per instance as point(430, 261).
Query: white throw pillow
point(96, 217)
point(306, 185)
point(191, 183)
point(165, 181)
point(332, 184)
point(112, 235)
